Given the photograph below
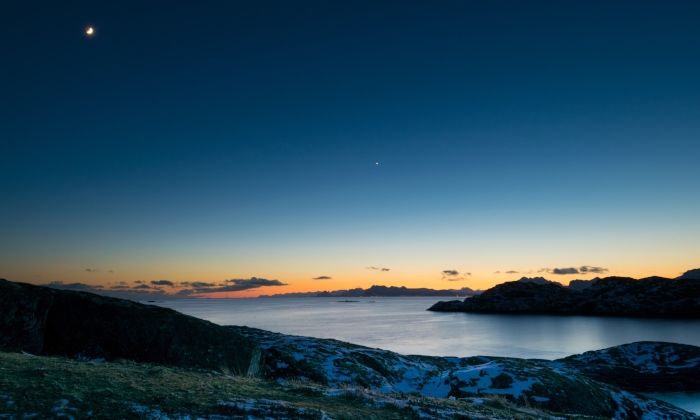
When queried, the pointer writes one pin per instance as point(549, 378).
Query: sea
point(403, 325)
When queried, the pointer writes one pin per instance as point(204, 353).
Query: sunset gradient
point(295, 140)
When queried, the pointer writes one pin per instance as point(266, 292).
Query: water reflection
point(689, 401)
point(403, 325)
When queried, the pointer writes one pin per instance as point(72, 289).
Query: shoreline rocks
point(653, 297)
point(563, 385)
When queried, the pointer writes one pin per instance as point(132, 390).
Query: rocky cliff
point(23, 310)
point(40, 320)
point(611, 296)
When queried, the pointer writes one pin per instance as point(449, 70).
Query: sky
point(238, 148)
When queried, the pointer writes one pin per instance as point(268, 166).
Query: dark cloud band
point(584, 269)
point(162, 283)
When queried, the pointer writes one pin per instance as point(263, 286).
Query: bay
point(404, 326)
point(689, 401)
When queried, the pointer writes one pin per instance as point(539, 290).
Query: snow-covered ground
point(644, 357)
point(558, 386)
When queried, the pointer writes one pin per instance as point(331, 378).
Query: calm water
point(689, 401)
point(403, 325)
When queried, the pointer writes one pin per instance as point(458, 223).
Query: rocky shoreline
point(601, 383)
point(653, 297)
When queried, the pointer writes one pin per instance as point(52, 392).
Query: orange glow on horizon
point(303, 283)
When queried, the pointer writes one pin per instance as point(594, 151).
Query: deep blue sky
point(202, 142)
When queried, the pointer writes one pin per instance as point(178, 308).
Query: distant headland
point(382, 291)
point(653, 297)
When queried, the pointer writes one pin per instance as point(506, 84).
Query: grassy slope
point(53, 387)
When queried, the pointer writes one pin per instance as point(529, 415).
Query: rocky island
point(653, 297)
point(110, 358)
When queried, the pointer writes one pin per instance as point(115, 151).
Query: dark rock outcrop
point(84, 325)
point(612, 296)
point(382, 291)
point(537, 280)
point(514, 297)
point(23, 313)
point(403, 291)
point(580, 285)
point(693, 274)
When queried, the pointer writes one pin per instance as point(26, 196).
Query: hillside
point(654, 297)
point(53, 387)
point(41, 320)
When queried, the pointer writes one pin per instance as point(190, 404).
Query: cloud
point(589, 269)
point(197, 284)
point(162, 283)
point(584, 269)
point(453, 275)
point(511, 272)
point(121, 290)
point(254, 281)
point(496, 272)
point(73, 286)
point(95, 270)
point(385, 269)
point(564, 271)
point(236, 285)
point(377, 268)
point(155, 289)
point(322, 278)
